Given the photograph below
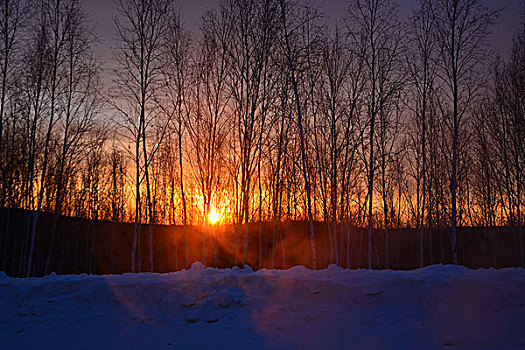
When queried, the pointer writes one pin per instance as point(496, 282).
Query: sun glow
point(213, 217)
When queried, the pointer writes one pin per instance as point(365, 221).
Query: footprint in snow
point(190, 299)
point(193, 316)
point(212, 318)
point(373, 293)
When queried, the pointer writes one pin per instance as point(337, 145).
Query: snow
point(204, 308)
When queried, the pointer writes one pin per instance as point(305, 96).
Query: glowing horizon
point(213, 216)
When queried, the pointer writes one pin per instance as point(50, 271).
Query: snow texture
point(437, 307)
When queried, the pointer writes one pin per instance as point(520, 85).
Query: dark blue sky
point(102, 12)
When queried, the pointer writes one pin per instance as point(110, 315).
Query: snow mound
point(433, 308)
point(196, 266)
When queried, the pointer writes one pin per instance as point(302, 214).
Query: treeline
point(103, 247)
point(270, 113)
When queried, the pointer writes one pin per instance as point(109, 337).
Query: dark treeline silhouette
point(102, 247)
point(403, 137)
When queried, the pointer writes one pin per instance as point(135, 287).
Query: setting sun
point(213, 217)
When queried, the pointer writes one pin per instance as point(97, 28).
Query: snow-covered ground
point(434, 307)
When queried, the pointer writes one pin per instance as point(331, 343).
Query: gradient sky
point(102, 13)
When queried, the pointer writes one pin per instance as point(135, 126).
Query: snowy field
point(436, 307)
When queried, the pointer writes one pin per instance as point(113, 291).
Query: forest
point(271, 136)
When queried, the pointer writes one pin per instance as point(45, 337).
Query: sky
point(102, 12)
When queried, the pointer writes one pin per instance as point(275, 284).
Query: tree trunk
point(301, 136)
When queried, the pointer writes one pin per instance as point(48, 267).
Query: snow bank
point(434, 307)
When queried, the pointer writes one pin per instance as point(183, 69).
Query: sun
point(213, 217)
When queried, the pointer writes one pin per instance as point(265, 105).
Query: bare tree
point(80, 104)
point(208, 123)
point(141, 27)
point(373, 23)
point(13, 21)
point(510, 101)
point(463, 28)
point(287, 12)
point(422, 75)
point(253, 27)
point(56, 22)
point(279, 150)
point(177, 79)
point(13, 18)
point(337, 130)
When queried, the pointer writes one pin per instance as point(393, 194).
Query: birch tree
point(290, 48)
point(13, 19)
point(178, 80)
point(141, 27)
point(253, 28)
point(463, 28)
point(420, 56)
point(510, 101)
point(79, 107)
point(57, 20)
point(209, 122)
point(374, 24)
